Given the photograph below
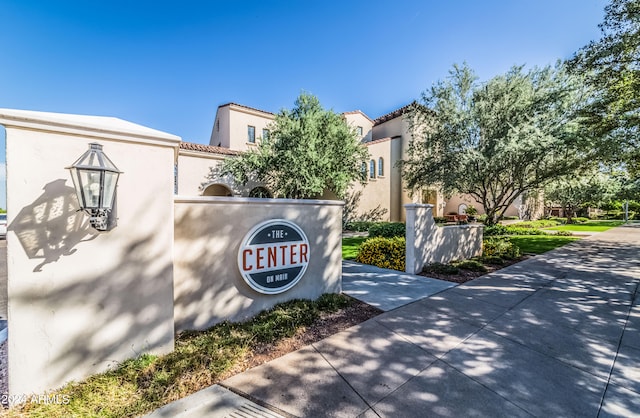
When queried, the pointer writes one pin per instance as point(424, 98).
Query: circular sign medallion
point(273, 256)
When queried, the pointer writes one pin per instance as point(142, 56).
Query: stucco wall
point(208, 234)
point(355, 119)
point(428, 243)
point(193, 168)
point(455, 201)
point(80, 300)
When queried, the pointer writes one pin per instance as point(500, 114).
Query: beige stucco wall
point(453, 204)
point(233, 121)
point(193, 169)
point(397, 129)
point(80, 300)
point(428, 243)
point(377, 191)
point(355, 119)
point(208, 233)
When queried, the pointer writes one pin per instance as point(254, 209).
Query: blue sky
point(169, 65)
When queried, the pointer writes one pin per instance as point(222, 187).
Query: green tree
point(499, 139)
point(574, 192)
point(611, 66)
point(310, 150)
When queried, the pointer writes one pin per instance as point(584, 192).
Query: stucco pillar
point(80, 300)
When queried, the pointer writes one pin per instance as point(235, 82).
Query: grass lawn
point(538, 244)
point(591, 226)
point(350, 247)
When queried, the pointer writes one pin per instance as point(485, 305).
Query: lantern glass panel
point(90, 181)
point(110, 181)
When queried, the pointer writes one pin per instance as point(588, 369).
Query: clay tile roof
point(377, 141)
point(393, 115)
point(207, 148)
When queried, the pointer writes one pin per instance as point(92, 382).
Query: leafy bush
point(358, 226)
point(383, 252)
point(496, 261)
point(542, 223)
point(473, 265)
point(387, 230)
point(495, 230)
point(516, 230)
point(500, 247)
point(579, 220)
point(440, 268)
point(440, 219)
point(564, 233)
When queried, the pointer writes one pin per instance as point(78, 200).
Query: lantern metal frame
point(95, 179)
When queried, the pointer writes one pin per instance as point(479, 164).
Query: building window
point(372, 169)
point(265, 134)
point(359, 130)
point(364, 170)
point(380, 167)
point(251, 134)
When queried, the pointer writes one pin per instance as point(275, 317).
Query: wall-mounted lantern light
point(95, 178)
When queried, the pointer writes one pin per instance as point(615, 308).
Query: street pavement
point(556, 335)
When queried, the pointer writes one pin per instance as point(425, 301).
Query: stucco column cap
point(418, 205)
point(101, 127)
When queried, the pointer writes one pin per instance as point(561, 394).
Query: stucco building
point(239, 128)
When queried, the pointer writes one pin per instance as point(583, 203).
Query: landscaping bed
point(201, 359)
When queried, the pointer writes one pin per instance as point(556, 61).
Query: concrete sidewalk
point(556, 335)
point(387, 289)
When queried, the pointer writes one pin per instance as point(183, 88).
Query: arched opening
point(217, 190)
point(372, 169)
point(261, 192)
point(380, 167)
point(462, 209)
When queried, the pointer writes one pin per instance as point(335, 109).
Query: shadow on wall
point(97, 320)
point(52, 225)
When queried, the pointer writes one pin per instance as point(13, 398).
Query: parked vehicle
point(3, 225)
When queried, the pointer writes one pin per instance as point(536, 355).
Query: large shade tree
point(611, 65)
point(496, 140)
point(591, 187)
point(309, 151)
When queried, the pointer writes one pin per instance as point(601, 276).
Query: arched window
point(380, 167)
point(372, 169)
point(364, 170)
point(217, 190)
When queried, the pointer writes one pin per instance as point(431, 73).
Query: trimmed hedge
point(388, 253)
point(387, 230)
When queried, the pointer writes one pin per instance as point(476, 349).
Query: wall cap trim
point(100, 127)
point(255, 201)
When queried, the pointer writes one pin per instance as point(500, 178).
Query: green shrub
point(500, 247)
point(495, 230)
point(542, 223)
point(358, 226)
point(440, 219)
point(579, 220)
point(387, 253)
point(516, 230)
point(564, 233)
point(496, 261)
point(473, 265)
point(440, 268)
point(387, 230)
